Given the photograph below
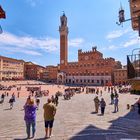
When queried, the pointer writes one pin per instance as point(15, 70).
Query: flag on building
point(2, 13)
point(130, 69)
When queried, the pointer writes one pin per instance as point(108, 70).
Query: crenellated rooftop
point(94, 49)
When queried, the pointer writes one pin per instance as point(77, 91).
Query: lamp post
point(134, 18)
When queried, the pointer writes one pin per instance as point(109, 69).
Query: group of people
point(68, 93)
point(55, 99)
point(102, 104)
point(49, 108)
point(11, 100)
point(30, 117)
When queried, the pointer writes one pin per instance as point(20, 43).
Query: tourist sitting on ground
point(58, 93)
point(30, 117)
point(67, 95)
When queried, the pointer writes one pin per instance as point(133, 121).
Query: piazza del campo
point(94, 98)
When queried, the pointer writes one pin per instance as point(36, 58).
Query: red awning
point(2, 13)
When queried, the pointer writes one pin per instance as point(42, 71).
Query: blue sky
point(30, 30)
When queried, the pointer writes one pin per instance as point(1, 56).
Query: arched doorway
point(61, 78)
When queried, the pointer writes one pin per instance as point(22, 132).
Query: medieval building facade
point(91, 68)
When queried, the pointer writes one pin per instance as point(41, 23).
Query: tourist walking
point(102, 105)
point(30, 117)
point(28, 100)
point(13, 97)
point(53, 99)
point(2, 98)
point(11, 102)
point(97, 103)
point(138, 102)
point(37, 103)
point(18, 94)
point(116, 95)
point(49, 113)
point(116, 102)
point(112, 97)
point(56, 99)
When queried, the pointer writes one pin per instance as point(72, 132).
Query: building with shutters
point(11, 69)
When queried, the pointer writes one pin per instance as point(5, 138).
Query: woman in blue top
point(30, 117)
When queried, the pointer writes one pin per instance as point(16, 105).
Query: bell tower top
point(63, 24)
point(63, 20)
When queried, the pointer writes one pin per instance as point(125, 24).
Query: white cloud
point(131, 42)
point(33, 3)
point(31, 45)
point(112, 47)
point(15, 49)
point(117, 34)
point(76, 42)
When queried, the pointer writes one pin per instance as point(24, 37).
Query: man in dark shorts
point(49, 113)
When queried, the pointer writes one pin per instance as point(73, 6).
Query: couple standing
point(98, 103)
point(30, 117)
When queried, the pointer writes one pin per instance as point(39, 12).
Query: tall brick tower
point(63, 30)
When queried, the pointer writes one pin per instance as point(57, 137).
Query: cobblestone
point(75, 120)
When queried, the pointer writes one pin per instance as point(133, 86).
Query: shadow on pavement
point(94, 112)
point(41, 139)
point(21, 139)
point(7, 109)
point(123, 128)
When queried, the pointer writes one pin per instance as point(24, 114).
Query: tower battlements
point(94, 50)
